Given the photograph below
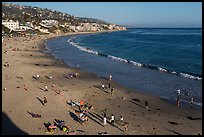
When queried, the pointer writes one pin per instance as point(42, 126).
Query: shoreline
point(184, 104)
point(86, 88)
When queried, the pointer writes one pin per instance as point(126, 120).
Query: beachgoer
point(7, 64)
point(46, 88)
point(125, 125)
point(191, 102)
point(82, 118)
point(76, 74)
point(81, 103)
point(110, 77)
point(104, 120)
point(103, 86)
point(53, 85)
point(146, 105)
point(178, 101)
point(104, 114)
point(112, 119)
point(86, 118)
point(71, 76)
point(25, 86)
point(108, 85)
point(178, 92)
point(37, 76)
point(112, 91)
point(45, 101)
point(121, 119)
point(188, 93)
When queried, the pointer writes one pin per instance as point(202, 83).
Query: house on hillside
point(12, 25)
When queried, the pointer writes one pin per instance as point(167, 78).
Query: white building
point(86, 26)
point(50, 22)
point(11, 24)
point(79, 28)
point(44, 30)
point(25, 28)
point(72, 28)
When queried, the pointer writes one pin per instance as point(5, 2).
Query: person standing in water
point(178, 101)
point(110, 77)
point(191, 102)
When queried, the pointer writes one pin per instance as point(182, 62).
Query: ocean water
point(154, 61)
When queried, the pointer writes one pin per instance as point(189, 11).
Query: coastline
point(155, 121)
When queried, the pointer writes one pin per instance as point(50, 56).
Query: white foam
point(190, 76)
point(161, 69)
point(117, 58)
point(125, 60)
point(82, 48)
point(173, 72)
point(136, 64)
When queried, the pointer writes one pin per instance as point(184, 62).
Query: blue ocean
point(155, 61)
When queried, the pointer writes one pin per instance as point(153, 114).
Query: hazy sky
point(137, 14)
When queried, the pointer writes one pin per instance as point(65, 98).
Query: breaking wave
point(149, 66)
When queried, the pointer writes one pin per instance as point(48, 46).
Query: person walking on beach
point(45, 101)
point(46, 88)
point(178, 101)
point(121, 120)
point(104, 120)
point(112, 119)
point(191, 102)
point(112, 91)
point(146, 105)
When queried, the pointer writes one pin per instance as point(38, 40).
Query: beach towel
point(52, 127)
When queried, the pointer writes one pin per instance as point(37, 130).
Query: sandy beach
point(22, 95)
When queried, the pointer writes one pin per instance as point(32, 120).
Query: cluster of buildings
point(94, 27)
point(44, 26)
point(16, 26)
point(49, 21)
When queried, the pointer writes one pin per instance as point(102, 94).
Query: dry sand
point(162, 118)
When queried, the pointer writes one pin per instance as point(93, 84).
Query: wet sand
point(162, 118)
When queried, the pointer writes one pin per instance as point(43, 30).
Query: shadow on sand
point(173, 131)
point(99, 87)
point(9, 128)
point(74, 116)
point(41, 101)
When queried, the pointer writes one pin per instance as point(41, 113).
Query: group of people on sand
point(6, 64)
point(83, 114)
point(83, 117)
point(103, 87)
point(187, 94)
point(112, 121)
point(76, 75)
